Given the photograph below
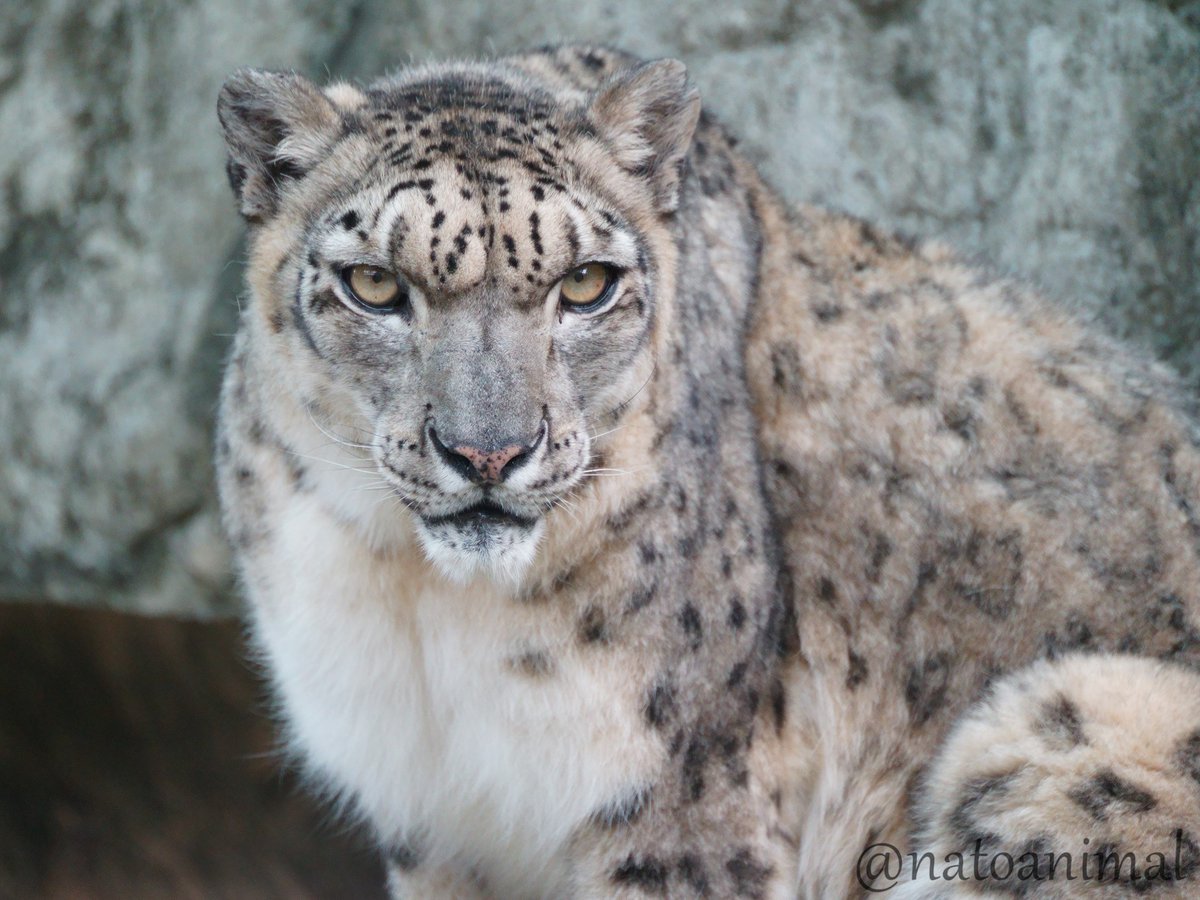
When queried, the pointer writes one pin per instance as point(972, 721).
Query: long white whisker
point(596, 437)
point(369, 488)
point(334, 437)
point(625, 403)
point(339, 444)
point(653, 369)
point(568, 508)
point(388, 496)
point(362, 470)
point(565, 502)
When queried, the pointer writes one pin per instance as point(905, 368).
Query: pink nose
point(490, 463)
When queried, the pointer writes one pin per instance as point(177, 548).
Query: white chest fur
point(400, 689)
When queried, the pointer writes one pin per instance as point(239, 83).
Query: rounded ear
point(649, 115)
point(277, 126)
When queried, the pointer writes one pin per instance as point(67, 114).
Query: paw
point(1078, 777)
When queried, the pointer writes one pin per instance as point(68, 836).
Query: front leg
point(709, 827)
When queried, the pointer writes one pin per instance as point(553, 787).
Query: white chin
point(501, 553)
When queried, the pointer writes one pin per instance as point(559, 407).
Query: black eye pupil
point(377, 277)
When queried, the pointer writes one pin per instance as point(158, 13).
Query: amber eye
point(587, 285)
point(374, 287)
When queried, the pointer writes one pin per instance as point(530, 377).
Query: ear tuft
point(277, 126)
point(649, 115)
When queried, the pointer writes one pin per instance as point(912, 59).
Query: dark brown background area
point(136, 761)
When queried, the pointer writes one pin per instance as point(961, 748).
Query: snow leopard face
point(466, 266)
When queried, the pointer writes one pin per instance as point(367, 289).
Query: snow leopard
point(612, 527)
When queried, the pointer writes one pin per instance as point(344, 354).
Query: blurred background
point(1057, 139)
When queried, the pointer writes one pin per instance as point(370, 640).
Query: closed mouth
point(483, 514)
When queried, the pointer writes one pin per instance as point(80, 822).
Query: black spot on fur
point(976, 793)
point(398, 187)
point(1104, 791)
point(1060, 724)
point(628, 514)
point(880, 551)
point(693, 873)
point(1188, 755)
point(302, 326)
point(535, 235)
point(349, 220)
point(736, 674)
point(1179, 495)
point(676, 745)
point(647, 874)
point(593, 628)
point(322, 302)
point(689, 618)
point(749, 874)
point(827, 590)
point(856, 670)
point(694, 761)
point(641, 598)
point(1076, 634)
point(828, 312)
point(960, 419)
point(778, 704)
point(788, 373)
point(926, 686)
point(877, 300)
point(660, 705)
point(534, 663)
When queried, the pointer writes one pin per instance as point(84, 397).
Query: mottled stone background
point(1056, 138)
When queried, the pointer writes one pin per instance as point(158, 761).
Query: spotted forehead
point(475, 123)
point(473, 180)
point(472, 98)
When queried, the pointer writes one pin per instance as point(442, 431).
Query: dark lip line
point(483, 508)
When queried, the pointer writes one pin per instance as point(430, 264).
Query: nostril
point(461, 465)
point(515, 461)
point(522, 454)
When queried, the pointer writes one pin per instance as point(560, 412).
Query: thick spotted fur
point(1073, 778)
point(799, 496)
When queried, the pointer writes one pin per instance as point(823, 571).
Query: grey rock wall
point(1059, 139)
